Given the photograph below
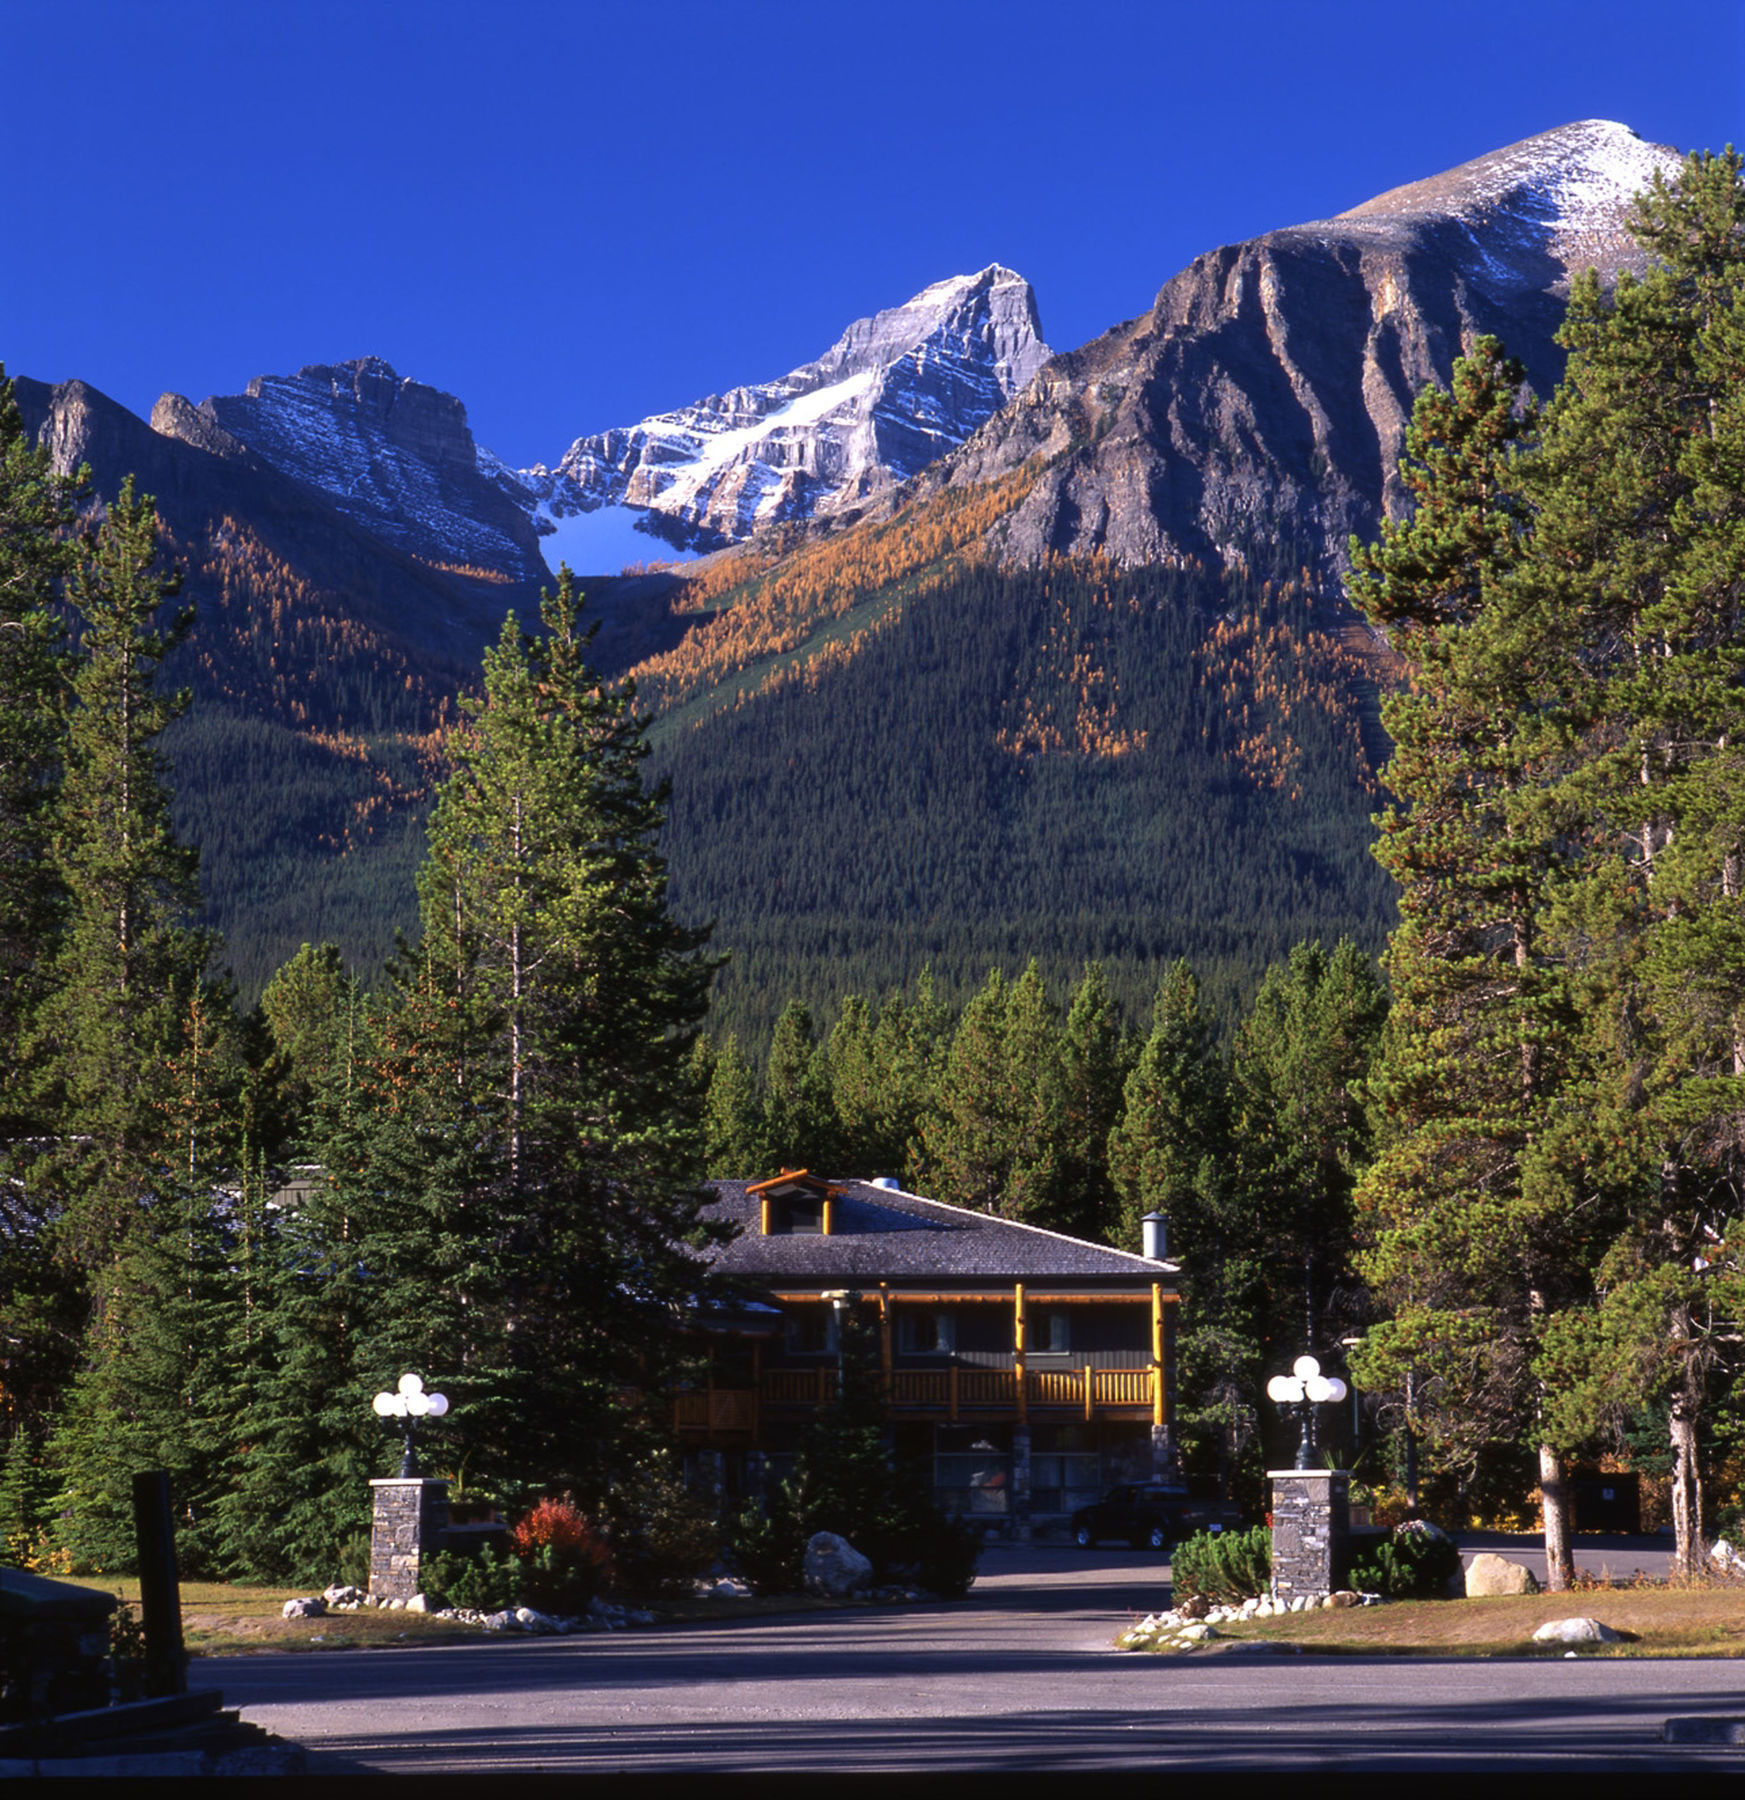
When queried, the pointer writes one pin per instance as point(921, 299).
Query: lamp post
point(411, 1403)
point(1305, 1388)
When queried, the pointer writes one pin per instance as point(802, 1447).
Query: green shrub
point(1223, 1565)
point(354, 1560)
point(663, 1536)
point(482, 1581)
point(1416, 1563)
point(768, 1543)
point(941, 1553)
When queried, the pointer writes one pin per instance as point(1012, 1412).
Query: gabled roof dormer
point(795, 1203)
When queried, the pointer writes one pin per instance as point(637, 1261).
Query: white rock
point(418, 1603)
point(396, 1604)
point(1575, 1631)
point(1196, 1633)
point(311, 1608)
point(342, 1595)
point(499, 1621)
point(834, 1568)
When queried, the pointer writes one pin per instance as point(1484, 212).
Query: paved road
point(1020, 1678)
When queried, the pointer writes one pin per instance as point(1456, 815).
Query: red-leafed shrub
point(562, 1524)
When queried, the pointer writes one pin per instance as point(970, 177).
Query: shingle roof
point(883, 1234)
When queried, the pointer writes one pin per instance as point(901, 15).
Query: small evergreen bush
point(1416, 1563)
point(663, 1536)
point(1223, 1565)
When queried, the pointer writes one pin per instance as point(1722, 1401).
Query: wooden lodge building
point(1030, 1369)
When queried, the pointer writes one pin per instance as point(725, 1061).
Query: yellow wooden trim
point(1157, 1414)
point(1002, 1297)
point(829, 1213)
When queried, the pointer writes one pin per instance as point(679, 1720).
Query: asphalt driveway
point(1021, 1676)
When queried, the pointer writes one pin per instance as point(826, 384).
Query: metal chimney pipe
point(1156, 1228)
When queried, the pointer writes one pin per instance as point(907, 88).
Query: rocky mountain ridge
point(1264, 397)
point(393, 455)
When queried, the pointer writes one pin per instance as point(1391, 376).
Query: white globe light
point(1284, 1390)
point(411, 1384)
point(1340, 1390)
point(418, 1405)
point(438, 1405)
point(1302, 1368)
point(1319, 1389)
point(384, 1405)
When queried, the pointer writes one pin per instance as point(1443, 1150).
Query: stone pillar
point(409, 1521)
point(1311, 1531)
point(1021, 1483)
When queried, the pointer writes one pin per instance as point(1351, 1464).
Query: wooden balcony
point(948, 1395)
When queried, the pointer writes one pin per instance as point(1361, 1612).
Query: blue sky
point(575, 212)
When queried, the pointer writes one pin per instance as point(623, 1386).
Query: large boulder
point(1575, 1631)
point(834, 1568)
point(1487, 1576)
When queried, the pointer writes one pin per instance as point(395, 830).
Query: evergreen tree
point(36, 523)
point(799, 1124)
point(1089, 1078)
point(130, 963)
point(1637, 577)
point(1172, 1141)
point(734, 1146)
point(548, 1025)
point(993, 1137)
point(1466, 1247)
point(1300, 1139)
point(135, 1053)
point(882, 1076)
point(41, 1305)
point(1171, 1153)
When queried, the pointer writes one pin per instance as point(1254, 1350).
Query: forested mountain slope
point(1085, 686)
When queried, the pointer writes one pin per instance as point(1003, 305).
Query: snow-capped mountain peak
point(892, 394)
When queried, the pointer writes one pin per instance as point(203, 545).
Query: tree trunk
point(1687, 1494)
point(1690, 1553)
point(1559, 1563)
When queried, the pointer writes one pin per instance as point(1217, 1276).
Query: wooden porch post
point(1157, 1410)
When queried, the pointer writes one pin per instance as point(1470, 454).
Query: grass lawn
point(1663, 1621)
point(219, 1619)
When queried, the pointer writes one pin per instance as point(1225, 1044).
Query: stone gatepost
point(1311, 1531)
point(409, 1521)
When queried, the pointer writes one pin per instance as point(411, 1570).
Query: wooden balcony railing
point(950, 1393)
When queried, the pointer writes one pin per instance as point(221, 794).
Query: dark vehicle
point(1150, 1515)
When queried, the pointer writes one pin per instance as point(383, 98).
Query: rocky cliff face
point(894, 393)
point(393, 455)
point(1264, 398)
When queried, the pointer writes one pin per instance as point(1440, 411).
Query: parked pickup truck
point(1151, 1515)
